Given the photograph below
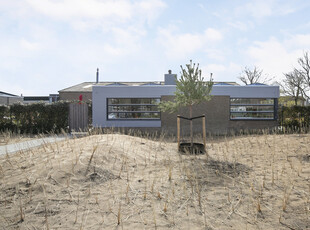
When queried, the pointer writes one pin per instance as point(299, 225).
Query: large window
point(252, 108)
point(133, 108)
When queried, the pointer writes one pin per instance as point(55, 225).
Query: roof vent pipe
point(97, 75)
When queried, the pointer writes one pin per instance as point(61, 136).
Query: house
point(85, 89)
point(231, 109)
point(41, 99)
point(9, 99)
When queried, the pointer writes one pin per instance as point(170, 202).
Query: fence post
point(204, 132)
point(178, 131)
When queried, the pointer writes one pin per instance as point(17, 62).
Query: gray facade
point(246, 91)
point(217, 110)
point(102, 93)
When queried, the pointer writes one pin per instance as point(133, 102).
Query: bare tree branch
point(293, 85)
point(249, 76)
point(304, 71)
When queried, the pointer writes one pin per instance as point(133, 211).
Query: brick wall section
point(218, 122)
point(216, 111)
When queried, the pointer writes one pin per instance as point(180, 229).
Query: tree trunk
point(191, 127)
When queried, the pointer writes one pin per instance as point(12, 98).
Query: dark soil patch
point(228, 168)
point(99, 175)
point(217, 173)
point(196, 148)
point(306, 158)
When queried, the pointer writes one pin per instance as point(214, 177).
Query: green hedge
point(36, 118)
point(295, 117)
point(5, 120)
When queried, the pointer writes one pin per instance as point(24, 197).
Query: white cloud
point(216, 53)
point(212, 35)
point(13, 8)
point(125, 41)
point(247, 14)
point(277, 57)
point(184, 44)
point(243, 26)
point(215, 68)
point(259, 9)
point(299, 40)
point(113, 50)
point(31, 46)
point(150, 9)
point(120, 23)
point(221, 72)
point(98, 13)
point(72, 9)
point(129, 35)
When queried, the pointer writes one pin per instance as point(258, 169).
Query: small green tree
point(191, 89)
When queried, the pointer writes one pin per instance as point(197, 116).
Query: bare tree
point(249, 76)
point(293, 85)
point(304, 71)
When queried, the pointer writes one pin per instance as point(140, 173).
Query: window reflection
point(133, 108)
point(252, 108)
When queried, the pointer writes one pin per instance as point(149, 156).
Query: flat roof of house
point(87, 86)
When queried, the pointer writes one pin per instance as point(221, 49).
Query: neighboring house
point(41, 99)
point(9, 99)
point(232, 107)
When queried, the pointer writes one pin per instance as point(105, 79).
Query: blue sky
point(48, 45)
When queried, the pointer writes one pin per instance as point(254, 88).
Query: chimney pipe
point(170, 78)
point(97, 75)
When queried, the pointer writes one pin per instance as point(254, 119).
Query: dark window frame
point(274, 112)
point(132, 119)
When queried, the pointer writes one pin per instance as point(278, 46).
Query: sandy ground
point(116, 181)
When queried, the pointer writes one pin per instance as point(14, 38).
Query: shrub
point(35, 118)
point(295, 117)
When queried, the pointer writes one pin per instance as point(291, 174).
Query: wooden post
point(204, 131)
point(178, 132)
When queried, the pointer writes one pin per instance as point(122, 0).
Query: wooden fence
point(78, 117)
